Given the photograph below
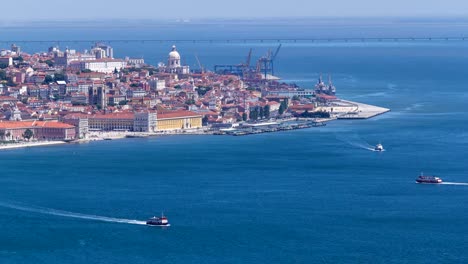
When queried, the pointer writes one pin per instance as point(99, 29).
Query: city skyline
point(185, 9)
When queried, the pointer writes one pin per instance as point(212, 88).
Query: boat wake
point(455, 183)
point(357, 142)
point(49, 211)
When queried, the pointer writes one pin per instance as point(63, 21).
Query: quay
point(344, 109)
point(251, 129)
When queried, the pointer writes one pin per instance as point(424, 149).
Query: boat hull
point(429, 182)
point(161, 225)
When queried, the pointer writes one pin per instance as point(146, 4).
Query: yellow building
point(175, 120)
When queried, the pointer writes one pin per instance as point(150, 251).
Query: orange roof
point(33, 124)
point(114, 116)
point(177, 114)
point(9, 98)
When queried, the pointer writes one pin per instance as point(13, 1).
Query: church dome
point(174, 55)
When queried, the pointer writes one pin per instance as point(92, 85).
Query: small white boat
point(379, 147)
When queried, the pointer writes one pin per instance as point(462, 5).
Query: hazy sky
point(160, 9)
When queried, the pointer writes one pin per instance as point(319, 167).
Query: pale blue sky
point(158, 9)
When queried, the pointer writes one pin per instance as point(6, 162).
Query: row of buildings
point(133, 96)
point(79, 125)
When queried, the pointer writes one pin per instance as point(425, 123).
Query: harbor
point(249, 129)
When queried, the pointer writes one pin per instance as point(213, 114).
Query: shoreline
point(348, 110)
point(30, 144)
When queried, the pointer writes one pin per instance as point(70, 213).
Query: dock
point(251, 130)
point(362, 111)
point(343, 109)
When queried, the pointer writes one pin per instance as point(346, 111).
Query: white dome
point(174, 55)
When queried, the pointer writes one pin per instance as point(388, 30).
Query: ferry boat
point(158, 221)
point(379, 147)
point(428, 179)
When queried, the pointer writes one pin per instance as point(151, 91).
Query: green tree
point(28, 134)
point(190, 102)
point(18, 59)
point(244, 117)
point(49, 63)
point(2, 134)
point(203, 90)
point(281, 109)
point(205, 120)
point(48, 79)
point(86, 71)
point(59, 77)
point(124, 102)
point(178, 87)
point(260, 112)
point(266, 111)
point(3, 75)
point(253, 114)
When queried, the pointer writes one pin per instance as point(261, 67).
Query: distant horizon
point(269, 20)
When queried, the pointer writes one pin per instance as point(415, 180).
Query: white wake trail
point(356, 141)
point(455, 183)
point(55, 212)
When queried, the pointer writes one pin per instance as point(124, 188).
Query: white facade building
point(174, 63)
point(99, 65)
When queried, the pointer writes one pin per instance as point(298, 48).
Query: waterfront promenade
point(30, 144)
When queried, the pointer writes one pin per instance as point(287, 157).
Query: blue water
point(308, 196)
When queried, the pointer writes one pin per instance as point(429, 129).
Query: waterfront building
point(177, 120)
point(145, 121)
point(80, 122)
point(112, 122)
point(42, 130)
point(290, 93)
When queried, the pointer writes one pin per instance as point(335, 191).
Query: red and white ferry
point(158, 221)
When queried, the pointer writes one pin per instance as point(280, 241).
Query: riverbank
point(30, 144)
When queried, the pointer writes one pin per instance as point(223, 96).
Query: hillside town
point(68, 95)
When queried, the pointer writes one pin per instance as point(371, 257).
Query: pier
point(362, 111)
point(251, 129)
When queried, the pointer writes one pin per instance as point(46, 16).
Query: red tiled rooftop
point(32, 124)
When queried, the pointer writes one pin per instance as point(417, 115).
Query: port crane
point(265, 64)
point(237, 69)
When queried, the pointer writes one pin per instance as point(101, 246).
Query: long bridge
point(245, 40)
